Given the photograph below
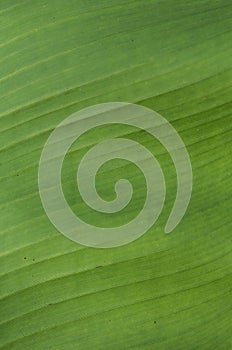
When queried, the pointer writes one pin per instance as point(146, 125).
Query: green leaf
point(161, 291)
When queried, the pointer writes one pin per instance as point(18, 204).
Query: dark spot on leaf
point(97, 267)
point(25, 258)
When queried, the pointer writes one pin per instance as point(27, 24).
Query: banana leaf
point(161, 291)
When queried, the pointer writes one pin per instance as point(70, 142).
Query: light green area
point(163, 292)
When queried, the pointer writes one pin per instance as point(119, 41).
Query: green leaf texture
point(162, 291)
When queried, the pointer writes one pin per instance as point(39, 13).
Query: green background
point(164, 292)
